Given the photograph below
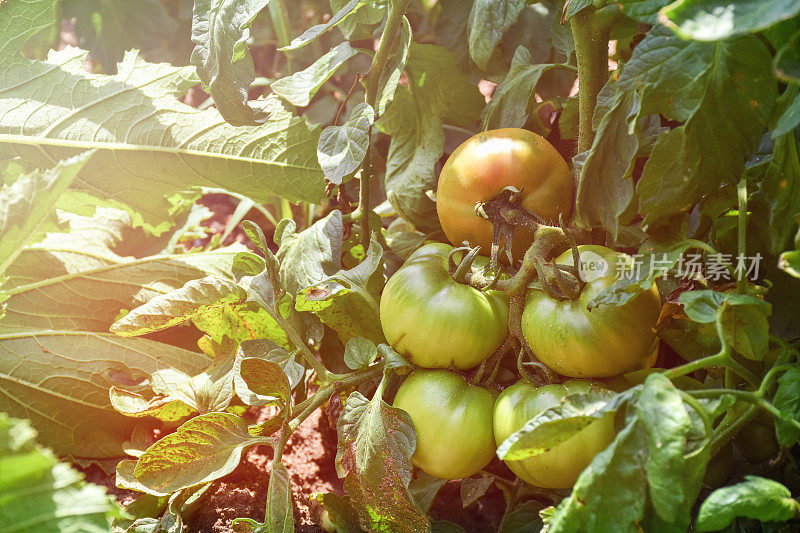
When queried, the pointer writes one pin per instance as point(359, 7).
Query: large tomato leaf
point(755, 497)
point(376, 442)
point(488, 22)
point(341, 149)
point(60, 381)
point(711, 20)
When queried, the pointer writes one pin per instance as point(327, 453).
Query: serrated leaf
point(359, 353)
point(557, 424)
point(787, 401)
point(260, 382)
point(611, 493)
point(269, 351)
point(312, 255)
point(215, 305)
point(299, 88)
point(220, 30)
point(28, 202)
point(376, 442)
point(424, 488)
point(75, 281)
point(390, 77)
point(488, 22)
point(205, 448)
point(341, 149)
point(39, 493)
point(711, 20)
point(756, 497)
point(512, 101)
point(60, 380)
point(439, 92)
point(315, 31)
point(137, 124)
point(473, 488)
point(689, 82)
point(666, 423)
point(111, 27)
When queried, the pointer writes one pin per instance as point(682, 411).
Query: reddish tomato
point(490, 161)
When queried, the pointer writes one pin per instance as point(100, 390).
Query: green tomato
point(453, 421)
point(606, 341)
point(559, 467)
point(436, 322)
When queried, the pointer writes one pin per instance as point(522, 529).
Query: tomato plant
point(226, 226)
point(578, 341)
point(453, 422)
point(423, 302)
point(485, 164)
point(560, 466)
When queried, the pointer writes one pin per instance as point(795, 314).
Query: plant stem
point(590, 31)
point(717, 359)
point(729, 426)
point(397, 11)
point(741, 189)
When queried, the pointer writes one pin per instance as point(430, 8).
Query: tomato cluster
point(442, 325)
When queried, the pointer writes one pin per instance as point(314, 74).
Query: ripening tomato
point(437, 322)
point(608, 340)
point(560, 466)
point(453, 421)
point(487, 163)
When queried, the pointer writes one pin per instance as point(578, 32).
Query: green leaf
point(557, 424)
point(205, 448)
point(512, 101)
point(711, 20)
point(75, 280)
point(300, 87)
point(28, 202)
point(220, 30)
point(376, 442)
point(260, 382)
point(788, 403)
point(125, 117)
point(390, 77)
point(216, 306)
point(39, 493)
point(359, 353)
point(348, 300)
point(280, 517)
point(789, 120)
point(756, 497)
point(473, 488)
point(787, 60)
point(312, 255)
point(666, 423)
point(362, 22)
point(611, 493)
point(437, 92)
point(126, 480)
point(315, 31)
point(701, 306)
point(743, 320)
point(60, 380)
point(341, 149)
point(452, 28)
point(777, 199)
point(522, 518)
point(488, 22)
point(269, 351)
point(169, 409)
point(424, 488)
point(690, 82)
point(644, 10)
point(111, 27)
point(605, 183)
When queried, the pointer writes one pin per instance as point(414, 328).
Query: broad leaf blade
point(755, 497)
point(299, 88)
point(205, 448)
point(341, 149)
point(711, 20)
point(220, 29)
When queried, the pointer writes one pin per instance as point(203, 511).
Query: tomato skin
point(436, 322)
point(453, 421)
point(559, 467)
point(488, 162)
point(606, 341)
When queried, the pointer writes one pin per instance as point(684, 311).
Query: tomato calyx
point(506, 213)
